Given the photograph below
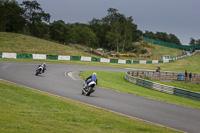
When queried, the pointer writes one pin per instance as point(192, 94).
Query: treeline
point(162, 36)
point(115, 31)
point(194, 42)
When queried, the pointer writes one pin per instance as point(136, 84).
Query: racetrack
point(55, 81)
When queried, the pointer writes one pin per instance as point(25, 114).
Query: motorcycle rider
point(93, 77)
point(43, 65)
point(158, 69)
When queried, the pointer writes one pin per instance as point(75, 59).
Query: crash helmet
point(44, 64)
point(94, 73)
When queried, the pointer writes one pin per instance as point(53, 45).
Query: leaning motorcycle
point(90, 88)
point(39, 70)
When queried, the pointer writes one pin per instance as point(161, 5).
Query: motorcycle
point(90, 88)
point(39, 70)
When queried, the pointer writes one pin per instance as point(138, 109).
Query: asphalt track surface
point(55, 81)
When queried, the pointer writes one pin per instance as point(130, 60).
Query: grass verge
point(116, 81)
point(24, 110)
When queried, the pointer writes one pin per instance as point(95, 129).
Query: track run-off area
point(55, 81)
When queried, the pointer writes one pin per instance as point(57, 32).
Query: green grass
point(159, 51)
point(18, 43)
point(24, 110)
point(117, 81)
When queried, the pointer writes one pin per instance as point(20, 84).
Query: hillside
point(17, 43)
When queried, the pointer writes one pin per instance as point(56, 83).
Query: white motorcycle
point(90, 88)
point(39, 70)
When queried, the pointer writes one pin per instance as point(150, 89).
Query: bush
point(149, 45)
point(125, 55)
point(132, 55)
point(143, 51)
point(117, 54)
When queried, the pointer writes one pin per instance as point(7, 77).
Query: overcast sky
point(179, 17)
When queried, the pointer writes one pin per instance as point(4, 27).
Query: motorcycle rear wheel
point(89, 91)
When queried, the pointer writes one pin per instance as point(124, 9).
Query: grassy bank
point(17, 43)
point(116, 81)
point(24, 110)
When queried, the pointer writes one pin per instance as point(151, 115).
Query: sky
point(178, 17)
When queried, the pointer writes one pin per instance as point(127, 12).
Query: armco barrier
point(83, 58)
point(162, 87)
point(95, 59)
point(186, 93)
point(113, 60)
point(62, 57)
point(9, 55)
point(76, 58)
point(136, 61)
point(104, 60)
point(52, 57)
point(39, 56)
point(149, 62)
point(122, 61)
point(128, 62)
point(24, 56)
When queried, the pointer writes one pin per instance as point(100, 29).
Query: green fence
point(171, 45)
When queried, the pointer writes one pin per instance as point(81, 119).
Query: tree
point(115, 21)
point(113, 36)
point(198, 41)
point(34, 16)
point(127, 31)
point(59, 31)
point(82, 34)
point(174, 39)
point(192, 42)
point(150, 34)
point(11, 19)
point(100, 29)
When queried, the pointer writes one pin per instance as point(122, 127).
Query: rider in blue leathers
point(44, 66)
point(93, 77)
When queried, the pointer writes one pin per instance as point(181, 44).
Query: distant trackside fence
point(171, 45)
point(162, 88)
